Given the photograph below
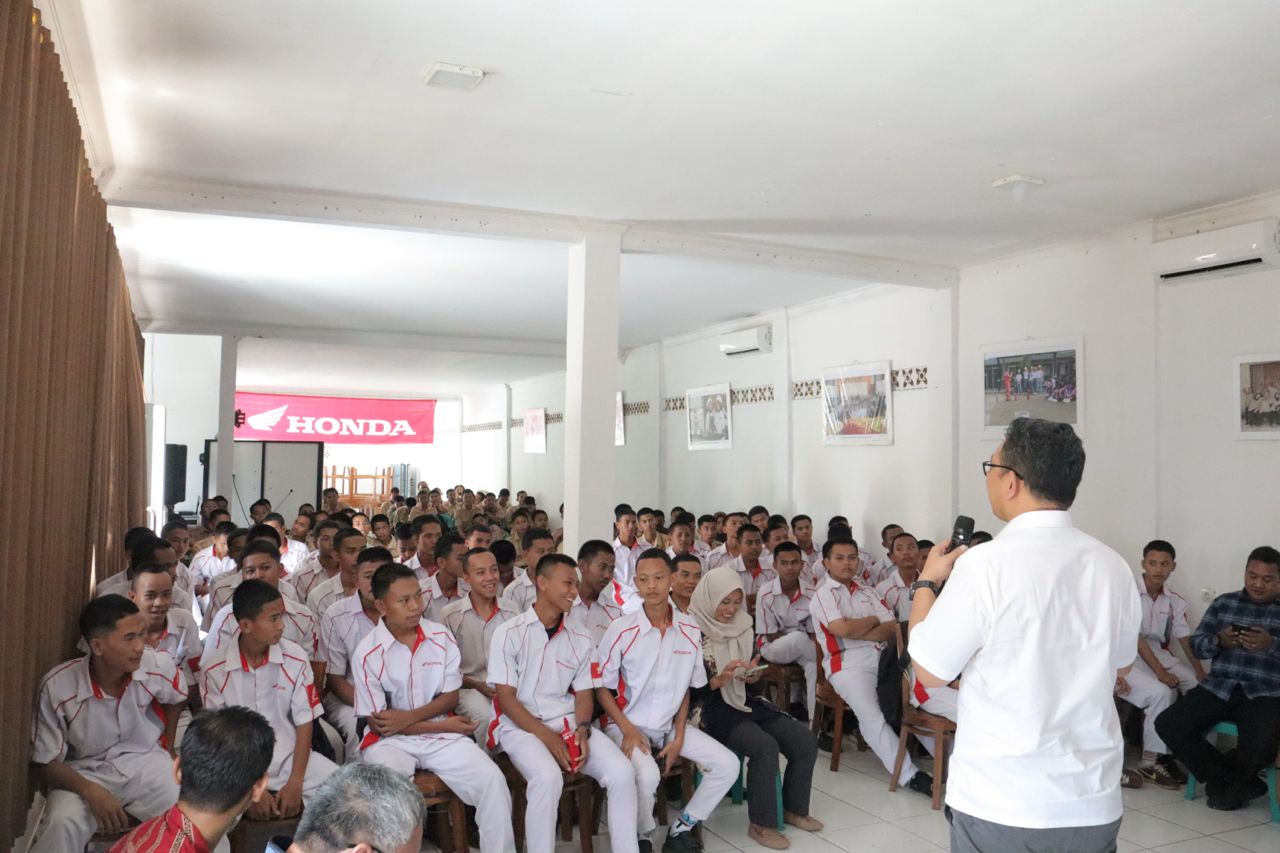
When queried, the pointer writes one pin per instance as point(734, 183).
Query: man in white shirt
point(521, 592)
point(650, 658)
point(600, 599)
point(447, 584)
point(753, 566)
point(685, 575)
point(626, 546)
point(706, 536)
point(169, 629)
point(782, 619)
point(680, 535)
point(541, 667)
point(802, 529)
point(292, 552)
point(151, 550)
point(321, 565)
point(729, 550)
point(427, 529)
point(894, 588)
point(883, 567)
point(1040, 622)
point(348, 543)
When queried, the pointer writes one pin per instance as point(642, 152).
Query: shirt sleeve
point(585, 677)
point(49, 729)
point(879, 610)
point(452, 665)
point(1128, 626)
point(763, 625)
point(163, 678)
point(955, 629)
point(330, 649)
point(610, 656)
point(211, 680)
point(1181, 625)
point(502, 668)
point(1204, 641)
point(370, 698)
point(304, 704)
point(823, 608)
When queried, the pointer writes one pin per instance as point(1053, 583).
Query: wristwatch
point(929, 585)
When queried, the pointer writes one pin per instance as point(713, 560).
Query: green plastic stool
point(1230, 730)
point(739, 790)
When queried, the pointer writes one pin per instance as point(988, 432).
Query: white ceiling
point(872, 126)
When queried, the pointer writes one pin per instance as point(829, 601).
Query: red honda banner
point(337, 420)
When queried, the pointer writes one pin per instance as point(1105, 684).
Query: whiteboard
point(287, 473)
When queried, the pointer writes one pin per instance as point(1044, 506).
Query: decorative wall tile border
point(552, 418)
point(673, 404)
point(806, 389)
point(904, 379)
point(484, 427)
point(629, 409)
point(752, 394)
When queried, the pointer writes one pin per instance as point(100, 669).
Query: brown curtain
point(72, 467)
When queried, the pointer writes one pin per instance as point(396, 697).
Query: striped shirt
point(171, 832)
point(1256, 672)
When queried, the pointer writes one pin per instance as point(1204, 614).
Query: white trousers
point(718, 763)
point(797, 647)
point(319, 769)
point(473, 705)
point(605, 763)
point(469, 773)
point(142, 783)
point(857, 687)
point(1153, 696)
point(343, 718)
point(942, 702)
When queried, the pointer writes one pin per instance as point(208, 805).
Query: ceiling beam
point(126, 189)
point(357, 337)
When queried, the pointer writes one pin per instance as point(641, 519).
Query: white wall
point(484, 453)
point(439, 463)
point(540, 474)
point(638, 472)
point(181, 374)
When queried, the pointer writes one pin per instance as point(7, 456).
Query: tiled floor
point(861, 815)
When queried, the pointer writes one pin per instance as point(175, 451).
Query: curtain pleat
point(72, 432)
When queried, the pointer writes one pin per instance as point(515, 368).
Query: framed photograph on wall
point(1257, 384)
point(709, 416)
point(535, 430)
point(1033, 379)
point(619, 423)
point(857, 404)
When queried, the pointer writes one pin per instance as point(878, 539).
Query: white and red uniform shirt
point(388, 674)
point(834, 600)
point(896, 595)
point(651, 670)
point(753, 580)
point(205, 565)
point(78, 723)
point(718, 556)
point(280, 688)
point(596, 617)
point(777, 611)
point(309, 573)
point(521, 592)
point(702, 558)
point(545, 668)
point(292, 555)
point(474, 632)
point(624, 566)
point(342, 627)
point(325, 593)
point(418, 569)
point(1164, 621)
point(435, 599)
point(299, 628)
point(181, 641)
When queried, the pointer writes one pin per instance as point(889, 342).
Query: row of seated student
point(614, 664)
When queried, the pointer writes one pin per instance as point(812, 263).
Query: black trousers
point(760, 743)
point(1183, 726)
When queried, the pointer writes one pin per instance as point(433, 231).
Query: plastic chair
point(1230, 730)
point(738, 792)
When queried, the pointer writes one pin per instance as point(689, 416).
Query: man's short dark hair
point(258, 546)
point(744, 529)
point(176, 524)
point(680, 522)
point(134, 535)
point(472, 552)
point(99, 617)
point(219, 511)
point(1048, 456)
point(1159, 545)
point(402, 531)
point(423, 520)
point(786, 548)
point(478, 528)
point(535, 534)
point(1265, 554)
point(260, 502)
point(445, 544)
point(344, 534)
point(382, 516)
point(520, 513)
point(144, 549)
point(654, 554)
point(685, 517)
point(386, 575)
point(796, 519)
point(549, 561)
point(250, 597)
point(374, 554)
point(224, 753)
point(926, 544)
point(837, 519)
point(644, 510)
point(265, 531)
point(706, 519)
point(329, 491)
point(757, 510)
point(137, 571)
point(621, 511)
point(979, 537)
point(885, 530)
point(504, 551)
point(685, 558)
point(834, 541)
point(894, 540)
point(327, 524)
point(359, 513)
point(273, 516)
point(593, 548)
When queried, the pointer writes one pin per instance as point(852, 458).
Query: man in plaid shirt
point(1240, 632)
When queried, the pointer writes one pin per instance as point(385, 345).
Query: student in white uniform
point(260, 561)
point(650, 658)
point(626, 545)
point(212, 560)
point(179, 537)
point(223, 586)
point(853, 626)
point(271, 675)
point(292, 552)
point(600, 598)
point(802, 529)
point(103, 727)
point(149, 550)
point(782, 618)
point(895, 588)
point(320, 565)
point(706, 536)
point(472, 621)
point(342, 627)
point(884, 567)
point(752, 565)
point(727, 552)
point(407, 679)
point(680, 535)
point(169, 629)
point(540, 665)
point(347, 545)
point(685, 575)
point(427, 530)
point(521, 592)
point(1158, 675)
point(479, 536)
point(447, 584)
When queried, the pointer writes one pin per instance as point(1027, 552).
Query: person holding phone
point(1240, 632)
point(750, 726)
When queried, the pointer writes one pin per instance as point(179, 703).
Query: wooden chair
point(683, 770)
point(579, 791)
point(108, 839)
point(826, 698)
point(779, 677)
point(452, 835)
point(923, 724)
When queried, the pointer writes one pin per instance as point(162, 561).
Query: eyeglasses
point(987, 466)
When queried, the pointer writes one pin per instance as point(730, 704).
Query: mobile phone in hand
point(1240, 628)
point(754, 670)
point(961, 532)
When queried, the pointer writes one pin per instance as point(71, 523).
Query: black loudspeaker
point(175, 474)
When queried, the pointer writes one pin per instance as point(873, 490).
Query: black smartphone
point(1239, 628)
point(961, 532)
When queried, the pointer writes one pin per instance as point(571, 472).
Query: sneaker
point(921, 783)
point(685, 842)
point(1171, 765)
point(1130, 779)
point(767, 837)
point(1157, 774)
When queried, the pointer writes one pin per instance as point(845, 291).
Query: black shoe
point(825, 742)
point(921, 783)
point(685, 842)
point(1171, 765)
point(1225, 801)
point(645, 845)
point(1254, 789)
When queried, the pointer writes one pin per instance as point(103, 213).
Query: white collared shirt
point(545, 671)
point(596, 617)
point(776, 611)
point(1038, 621)
point(281, 689)
point(342, 627)
point(1164, 621)
point(299, 628)
point(834, 600)
point(224, 587)
point(292, 555)
point(624, 567)
point(435, 599)
point(896, 595)
point(205, 566)
point(753, 581)
point(651, 670)
point(309, 573)
point(418, 569)
point(181, 641)
point(521, 592)
point(718, 556)
point(325, 593)
point(78, 723)
point(474, 631)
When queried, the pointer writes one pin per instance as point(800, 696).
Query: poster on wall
point(1257, 383)
point(334, 420)
point(619, 423)
point(535, 430)
point(709, 419)
point(1033, 379)
point(857, 404)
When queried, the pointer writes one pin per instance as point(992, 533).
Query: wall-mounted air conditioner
point(1226, 251)
point(757, 339)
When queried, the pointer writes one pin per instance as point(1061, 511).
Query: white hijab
point(729, 640)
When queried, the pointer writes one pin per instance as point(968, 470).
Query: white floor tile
point(902, 803)
point(1263, 838)
point(1197, 815)
point(838, 814)
point(1148, 796)
point(1150, 831)
point(932, 827)
point(801, 842)
point(879, 838)
point(1123, 846)
point(712, 843)
point(1199, 845)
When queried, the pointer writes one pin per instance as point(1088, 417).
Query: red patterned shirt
point(171, 832)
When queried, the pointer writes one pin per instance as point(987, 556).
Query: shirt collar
point(1040, 518)
point(236, 659)
point(176, 820)
point(89, 688)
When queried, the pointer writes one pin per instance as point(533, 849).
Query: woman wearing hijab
point(749, 725)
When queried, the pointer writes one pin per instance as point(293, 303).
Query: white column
point(591, 381)
point(226, 416)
